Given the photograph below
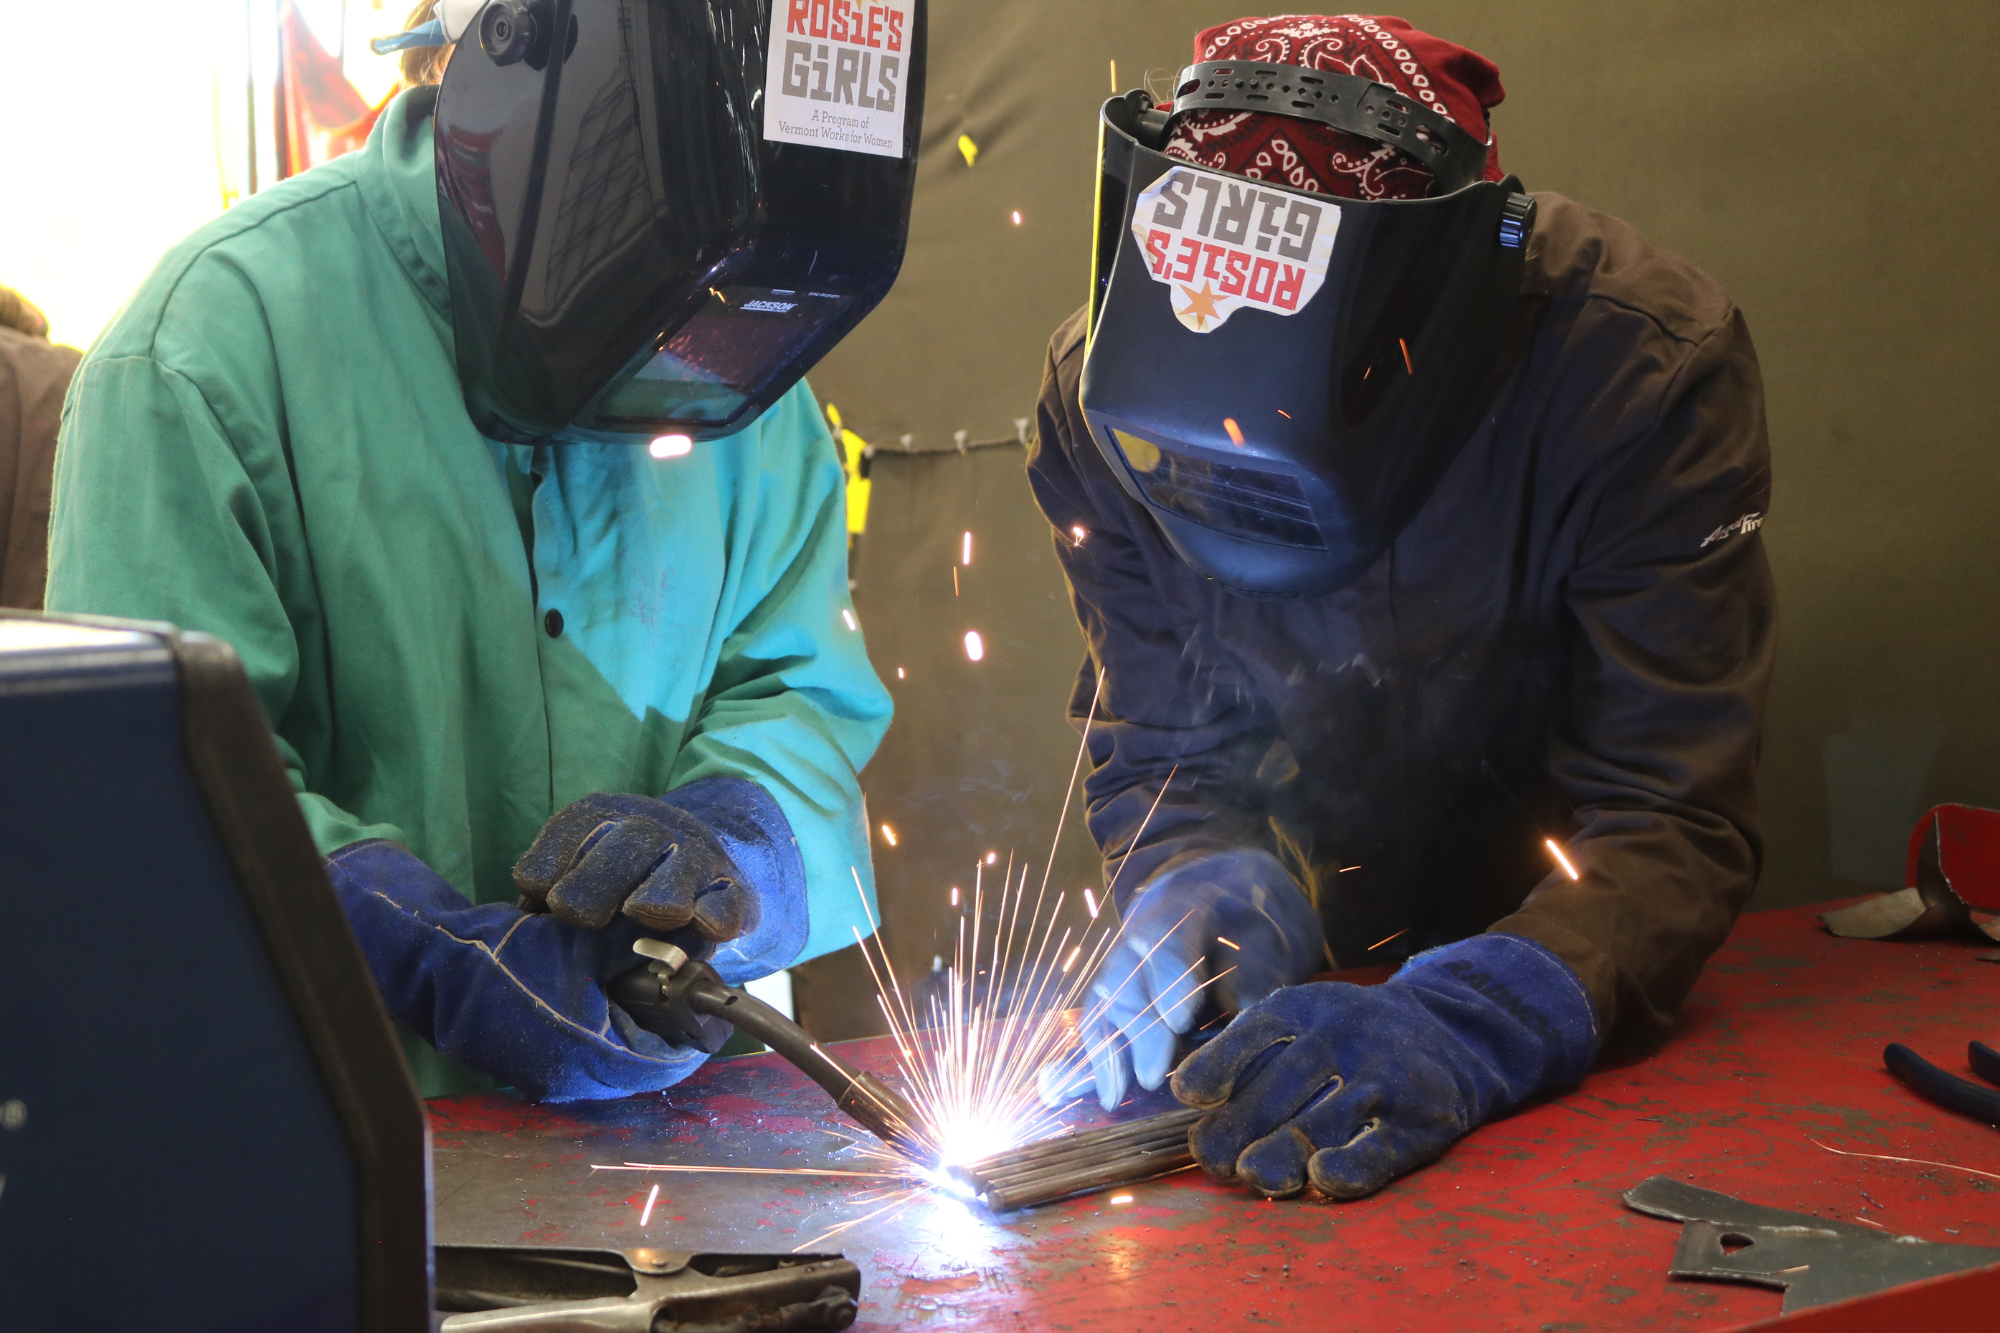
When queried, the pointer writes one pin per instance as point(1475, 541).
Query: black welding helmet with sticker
point(1280, 377)
point(659, 214)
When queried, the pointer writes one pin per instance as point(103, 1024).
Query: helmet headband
point(1343, 102)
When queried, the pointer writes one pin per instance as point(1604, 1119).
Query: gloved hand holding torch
point(520, 994)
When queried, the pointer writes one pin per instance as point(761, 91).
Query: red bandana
point(1458, 84)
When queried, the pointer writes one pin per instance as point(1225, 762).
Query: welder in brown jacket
point(1412, 524)
point(34, 375)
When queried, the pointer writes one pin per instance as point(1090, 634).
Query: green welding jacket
point(455, 638)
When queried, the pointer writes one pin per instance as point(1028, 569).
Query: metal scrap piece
point(1815, 1260)
point(1879, 917)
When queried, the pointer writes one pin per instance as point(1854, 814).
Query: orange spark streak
point(900, 1201)
point(747, 1170)
point(1224, 939)
point(1406, 356)
point(890, 834)
point(1379, 943)
point(651, 1199)
point(1561, 860)
point(1235, 431)
point(1914, 1161)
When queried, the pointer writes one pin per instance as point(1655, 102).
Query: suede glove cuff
point(514, 994)
point(759, 839)
point(1350, 1086)
point(1516, 1006)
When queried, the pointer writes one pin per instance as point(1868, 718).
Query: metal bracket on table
point(551, 1289)
point(1816, 1260)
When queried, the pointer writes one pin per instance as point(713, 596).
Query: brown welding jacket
point(34, 376)
point(1571, 640)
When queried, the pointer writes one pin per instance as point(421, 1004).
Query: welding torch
point(682, 1000)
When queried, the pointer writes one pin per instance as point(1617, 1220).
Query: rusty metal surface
point(1520, 1226)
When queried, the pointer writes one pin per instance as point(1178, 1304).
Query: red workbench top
point(1518, 1227)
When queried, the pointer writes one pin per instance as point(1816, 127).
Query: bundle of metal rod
point(1080, 1163)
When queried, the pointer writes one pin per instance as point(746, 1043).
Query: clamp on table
point(550, 1289)
point(682, 1000)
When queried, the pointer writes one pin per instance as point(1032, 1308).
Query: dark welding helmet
point(658, 214)
point(1281, 377)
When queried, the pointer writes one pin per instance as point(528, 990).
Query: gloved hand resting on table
point(519, 994)
point(1150, 989)
point(1349, 1086)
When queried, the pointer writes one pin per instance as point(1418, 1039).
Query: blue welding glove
point(712, 856)
point(518, 995)
point(1214, 933)
point(1351, 1086)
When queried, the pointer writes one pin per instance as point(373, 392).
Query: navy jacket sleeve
point(1176, 720)
point(1675, 632)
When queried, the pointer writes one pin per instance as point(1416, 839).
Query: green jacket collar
point(397, 177)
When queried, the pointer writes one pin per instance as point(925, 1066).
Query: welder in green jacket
point(542, 688)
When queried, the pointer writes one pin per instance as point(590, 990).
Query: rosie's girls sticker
point(837, 73)
point(1222, 243)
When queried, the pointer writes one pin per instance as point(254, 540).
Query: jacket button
point(552, 622)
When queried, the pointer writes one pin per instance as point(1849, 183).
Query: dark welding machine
point(206, 1123)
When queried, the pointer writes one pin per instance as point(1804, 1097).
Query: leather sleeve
point(1675, 622)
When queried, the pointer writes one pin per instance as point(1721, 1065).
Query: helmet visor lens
point(717, 363)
